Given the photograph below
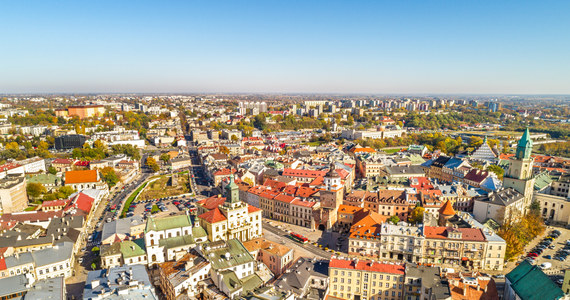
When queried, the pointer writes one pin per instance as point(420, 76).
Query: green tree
point(234, 138)
point(165, 157)
point(52, 170)
point(394, 219)
point(109, 176)
point(151, 163)
point(417, 215)
point(35, 190)
point(65, 191)
point(497, 170)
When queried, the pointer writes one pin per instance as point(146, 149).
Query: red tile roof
point(54, 203)
point(251, 208)
point(304, 203)
point(62, 161)
point(477, 175)
point(224, 172)
point(366, 265)
point(82, 176)
point(284, 198)
point(447, 209)
point(274, 184)
point(303, 173)
point(213, 216)
point(2, 263)
point(82, 202)
point(468, 234)
point(212, 202)
point(9, 166)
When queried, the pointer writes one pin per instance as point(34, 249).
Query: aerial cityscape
point(284, 151)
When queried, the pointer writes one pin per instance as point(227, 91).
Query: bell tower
point(519, 175)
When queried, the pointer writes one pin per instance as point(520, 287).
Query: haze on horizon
point(384, 47)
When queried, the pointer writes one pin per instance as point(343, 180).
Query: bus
point(299, 238)
point(114, 208)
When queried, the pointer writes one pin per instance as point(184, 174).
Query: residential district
point(284, 197)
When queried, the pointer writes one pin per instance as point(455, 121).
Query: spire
point(485, 140)
point(332, 171)
point(232, 191)
point(524, 147)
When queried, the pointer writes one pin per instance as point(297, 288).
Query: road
point(282, 237)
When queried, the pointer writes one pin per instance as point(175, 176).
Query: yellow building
point(362, 279)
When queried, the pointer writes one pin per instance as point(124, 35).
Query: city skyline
point(258, 47)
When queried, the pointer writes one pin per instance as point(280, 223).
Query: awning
point(464, 259)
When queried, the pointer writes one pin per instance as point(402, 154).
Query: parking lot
point(553, 253)
point(166, 206)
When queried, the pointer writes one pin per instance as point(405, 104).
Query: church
point(226, 218)
point(518, 188)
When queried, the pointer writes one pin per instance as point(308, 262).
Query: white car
point(545, 266)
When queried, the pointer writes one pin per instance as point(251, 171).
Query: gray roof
point(19, 259)
point(503, 197)
point(51, 288)
point(120, 226)
point(58, 253)
point(430, 279)
point(300, 272)
point(126, 282)
point(12, 285)
point(405, 170)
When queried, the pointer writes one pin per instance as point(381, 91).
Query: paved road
point(284, 239)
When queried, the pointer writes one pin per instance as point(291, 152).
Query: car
point(500, 276)
point(532, 254)
point(551, 247)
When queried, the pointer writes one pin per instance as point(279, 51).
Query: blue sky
point(513, 47)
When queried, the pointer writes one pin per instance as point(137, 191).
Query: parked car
point(532, 254)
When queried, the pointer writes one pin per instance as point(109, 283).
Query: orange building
point(86, 111)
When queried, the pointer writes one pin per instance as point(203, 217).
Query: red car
point(532, 254)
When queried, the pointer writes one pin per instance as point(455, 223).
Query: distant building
point(86, 111)
point(66, 142)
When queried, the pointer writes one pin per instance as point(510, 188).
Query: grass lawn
point(31, 208)
point(391, 151)
point(317, 143)
point(154, 209)
point(131, 198)
point(162, 188)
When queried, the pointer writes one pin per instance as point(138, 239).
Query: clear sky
point(394, 46)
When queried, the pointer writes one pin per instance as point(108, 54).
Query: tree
point(234, 138)
point(394, 219)
point(475, 141)
point(165, 157)
point(534, 208)
point(65, 191)
point(109, 176)
point(224, 150)
point(497, 170)
point(151, 163)
point(35, 190)
point(52, 170)
point(417, 215)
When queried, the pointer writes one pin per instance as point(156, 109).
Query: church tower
point(519, 175)
point(331, 196)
